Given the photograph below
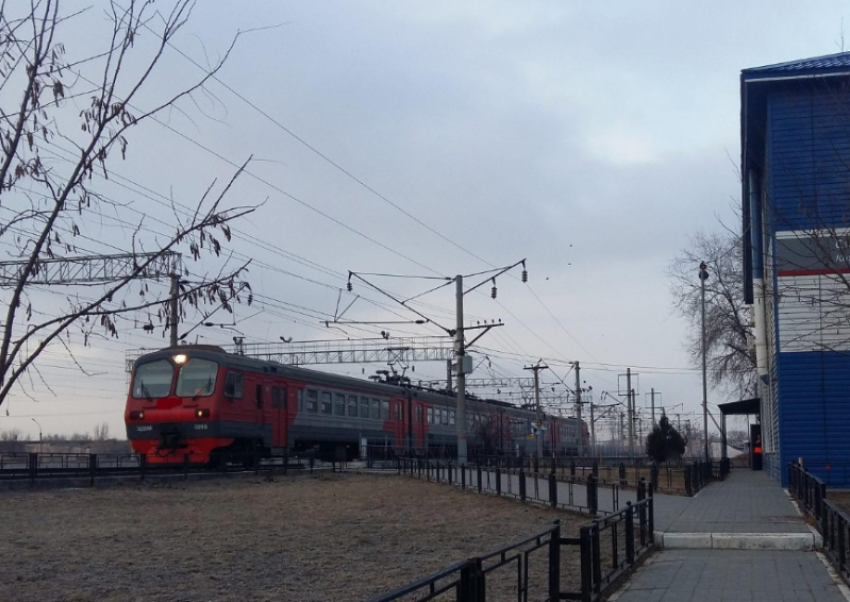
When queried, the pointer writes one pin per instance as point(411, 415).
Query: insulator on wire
point(493, 290)
point(525, 275)
point(348, 286)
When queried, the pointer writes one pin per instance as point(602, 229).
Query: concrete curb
point(805, 542)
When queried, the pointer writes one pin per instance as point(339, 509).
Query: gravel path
point(335, 537)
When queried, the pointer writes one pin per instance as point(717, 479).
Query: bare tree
point(731, 363)
point(64, 120)
point(101, 431)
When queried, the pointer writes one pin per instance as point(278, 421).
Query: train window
point(376, 410)
point(196, 378)
point(259, 397)
point(444, 416)
point(339, 404)
point(451, 416)
point(233, 385)
point(430, 415)
point(275, 397)
point(153, 380)
point(326, 402)
point(312, 400)
point(352, 406)
point(385, 410)
point(399, 416)
point(418, 413)
point(282, 397)
point(364, 407)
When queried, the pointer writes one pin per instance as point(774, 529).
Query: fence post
point(585, 549)
point(33, 465)
point(653, 476)
point(478, 467)
point(641, 496)
point(536, 464)
point(553, 490)
point(824, 519)
point(522, 484)
point(595, 468)
point(621, 473)
point(92, 468)
point(596, 559)
point(689, 490)
point(499, 481)
point(630, 534)
point(592, 502)
point(555, 561)
point(572, 468)
point(842, 554)
point(651, 518)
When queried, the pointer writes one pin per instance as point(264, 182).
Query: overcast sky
point(591, 138)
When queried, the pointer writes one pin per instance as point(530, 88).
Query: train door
point(279, 416)
point(397, 417)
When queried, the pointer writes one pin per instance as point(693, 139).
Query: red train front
point(190, 403)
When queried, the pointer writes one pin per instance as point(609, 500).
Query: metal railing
point(833, 523)
point(34, 467)
point(543, 488)
point(607, 548)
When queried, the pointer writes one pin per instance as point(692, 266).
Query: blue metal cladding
point(815, 418)
point(808, 180)
point(809, 150)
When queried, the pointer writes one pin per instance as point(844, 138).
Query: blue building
point(795, 146)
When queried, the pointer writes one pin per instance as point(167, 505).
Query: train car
point(203, 405)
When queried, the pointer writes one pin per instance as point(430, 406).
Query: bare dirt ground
point(335, 537)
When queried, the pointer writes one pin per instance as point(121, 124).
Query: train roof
point(230, 360)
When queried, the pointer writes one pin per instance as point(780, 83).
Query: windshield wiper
point(145, 391)
point(204, 389)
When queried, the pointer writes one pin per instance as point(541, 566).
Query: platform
point(747, 511)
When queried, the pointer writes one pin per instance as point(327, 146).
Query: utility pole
point(703, 276)
point(578, 412)
point(539, 433)
point(630, 407)
point(448, 376)
point(652, 394)
point(172, 309)
point(621, 447)
point(592, 432)
point(461, 376)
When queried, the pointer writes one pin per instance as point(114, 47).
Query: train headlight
point(202, 413)
point(137, 415)
point(179, 359)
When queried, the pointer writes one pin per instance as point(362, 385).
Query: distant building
point(795, 139)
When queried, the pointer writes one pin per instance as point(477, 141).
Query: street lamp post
point(703, 276)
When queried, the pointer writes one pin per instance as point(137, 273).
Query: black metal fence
point(535, 568)
point(34, 467)
point(587, 496)
point(686, 478)
point(832, 522)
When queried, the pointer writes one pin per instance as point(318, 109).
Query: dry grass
point(339, 537)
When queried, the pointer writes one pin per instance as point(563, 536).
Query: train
point(202, 405)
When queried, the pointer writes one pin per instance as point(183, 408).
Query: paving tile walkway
point(746, 502)
point(750, 505)
point(731, 576)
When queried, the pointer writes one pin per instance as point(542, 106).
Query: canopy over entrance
point(740, 408)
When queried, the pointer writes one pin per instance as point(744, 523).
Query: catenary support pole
point(172, 309)
point(703, 276)
point(578, 412)
point(461, 376)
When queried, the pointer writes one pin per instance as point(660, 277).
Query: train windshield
point(196, 378)
point(153, 380)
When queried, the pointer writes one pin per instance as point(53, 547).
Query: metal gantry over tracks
point(336, 351)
